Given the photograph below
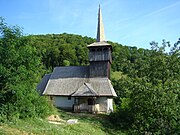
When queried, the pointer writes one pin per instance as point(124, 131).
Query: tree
point(20, 70)
point(152, 89)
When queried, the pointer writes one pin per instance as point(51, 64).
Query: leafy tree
point(20, 70)
point(152, 89)
point(55, 48)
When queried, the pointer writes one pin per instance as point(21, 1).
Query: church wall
point(110, 105)
point(99, 69)
point(102, 101)
point(105, 104)
point(63, 102)
point(100, 54)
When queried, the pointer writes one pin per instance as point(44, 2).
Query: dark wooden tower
point(100, 53)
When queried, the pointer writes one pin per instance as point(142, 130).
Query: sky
point(128, 22)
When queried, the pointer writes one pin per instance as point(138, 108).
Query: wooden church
point(84, 88)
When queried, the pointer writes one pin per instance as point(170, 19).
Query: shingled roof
point(75, 81)
point(42, 85)
point(85, 90)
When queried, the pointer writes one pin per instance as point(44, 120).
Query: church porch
point(85, 104)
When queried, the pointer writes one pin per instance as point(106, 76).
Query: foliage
point(61, 49)
point(20, 70)
point(155, 108)
point(151, 93)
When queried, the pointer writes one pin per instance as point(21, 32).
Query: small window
point(69, 98)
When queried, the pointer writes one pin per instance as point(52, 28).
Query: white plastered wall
point(102, 101)
point(63, 102)
point(110, 105)
point(105, 104)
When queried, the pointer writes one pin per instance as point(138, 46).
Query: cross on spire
point(100, 27)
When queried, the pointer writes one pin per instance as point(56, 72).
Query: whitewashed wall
point(109, 105)
point(63, 102)
point(105, 104)
point(102, 101)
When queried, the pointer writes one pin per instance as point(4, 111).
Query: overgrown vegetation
point(146, 81)
point(149, 101)
point(20, 71)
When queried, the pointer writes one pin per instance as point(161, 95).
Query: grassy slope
point(88, 125)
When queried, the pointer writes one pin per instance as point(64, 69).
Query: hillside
point(69, 49)
point(88, 124)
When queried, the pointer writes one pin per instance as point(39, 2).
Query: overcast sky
point(129, 22)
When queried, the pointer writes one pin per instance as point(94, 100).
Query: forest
point(147, 82)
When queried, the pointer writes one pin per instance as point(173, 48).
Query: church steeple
point(100, 53)
point(100, 27)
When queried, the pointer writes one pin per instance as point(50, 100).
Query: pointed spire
point(100, 28)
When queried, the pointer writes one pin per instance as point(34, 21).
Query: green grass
point(88, 124)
